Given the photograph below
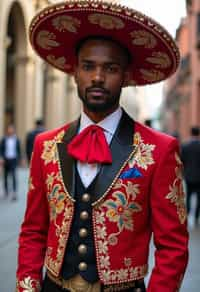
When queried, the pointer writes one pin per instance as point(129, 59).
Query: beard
point(108, 104)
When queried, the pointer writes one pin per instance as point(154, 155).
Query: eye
point(87, 66)
point(112, 68)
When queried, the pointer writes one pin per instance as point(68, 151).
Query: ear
point(127, 78)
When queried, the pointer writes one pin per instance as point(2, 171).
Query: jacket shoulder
point(150, 135)
point(54, 134)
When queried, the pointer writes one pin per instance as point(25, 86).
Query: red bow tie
point(90, 146)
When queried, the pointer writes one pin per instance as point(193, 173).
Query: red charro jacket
point(139, 194)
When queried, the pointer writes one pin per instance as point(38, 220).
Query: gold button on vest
point(84, 215)
point(86, 198)
point(82, 249)
point(82, 266)
point(83, 232)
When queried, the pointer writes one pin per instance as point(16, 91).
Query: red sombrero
point(55, 31)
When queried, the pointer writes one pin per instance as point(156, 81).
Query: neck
point(98, 117)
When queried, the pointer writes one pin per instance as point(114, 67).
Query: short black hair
point(39, 122)
point(195, 131)
point(125, 50)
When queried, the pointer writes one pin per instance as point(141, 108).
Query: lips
point(97, 91)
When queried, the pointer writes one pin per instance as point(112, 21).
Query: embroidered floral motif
point(143, 38)
point(56, 196)
point(176, 194)
point(61, 209)
point(66, 23)
point(62, 232)
point(50, 179)
point(56, 201)
point(160, 59)
point(106, 21)
point(28, 284)
point(59, 62)
point(120, 209)
point(46, 40)
point(127, 262)
point(152, 75)
point(143, 156)
point(49, 153)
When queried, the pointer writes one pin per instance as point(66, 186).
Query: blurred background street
point(11, 214)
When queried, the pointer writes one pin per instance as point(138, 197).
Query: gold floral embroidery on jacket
point(28, 284)
point(107, 274)
point(53, 264)
point(176, 194)
point(49, 153)
point(56, 201)
point(56, 196)
point(120, 209)
point(143, 156)
point(63, 208)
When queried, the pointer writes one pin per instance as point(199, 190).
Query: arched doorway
point(15, 56)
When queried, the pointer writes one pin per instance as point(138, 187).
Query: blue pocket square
point(131, 173)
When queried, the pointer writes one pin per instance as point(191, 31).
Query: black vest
point(73, 257)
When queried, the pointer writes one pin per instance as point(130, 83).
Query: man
point(39, 128)
point(191, 160)
point(10, 153)
point(101, 185)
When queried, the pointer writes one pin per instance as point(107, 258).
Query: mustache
point(97, 88)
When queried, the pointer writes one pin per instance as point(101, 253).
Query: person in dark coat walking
point(39, 128)
point(10, 153)
point(191, 161)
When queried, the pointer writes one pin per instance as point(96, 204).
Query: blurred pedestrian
point(102, 185)
point(190, 155)
point(10, 153)
point(30, 138)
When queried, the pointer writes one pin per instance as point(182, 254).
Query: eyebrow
point(107, 63)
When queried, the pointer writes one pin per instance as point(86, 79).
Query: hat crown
point(56, 30)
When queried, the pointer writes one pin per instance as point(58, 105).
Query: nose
point(98, 76)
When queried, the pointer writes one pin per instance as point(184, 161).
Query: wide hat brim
point(55, 31)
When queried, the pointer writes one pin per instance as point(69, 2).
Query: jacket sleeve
point(169, 224)
point(33, 234)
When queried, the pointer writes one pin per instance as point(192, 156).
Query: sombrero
point(56, 30)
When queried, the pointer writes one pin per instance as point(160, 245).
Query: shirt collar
point(109, 124)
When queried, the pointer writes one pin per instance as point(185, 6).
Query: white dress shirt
point(10, 147)
point(87, 171)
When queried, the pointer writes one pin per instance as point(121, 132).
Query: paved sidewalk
point(12, 212)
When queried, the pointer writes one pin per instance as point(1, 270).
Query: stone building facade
point(182, 92)
point(29, 88)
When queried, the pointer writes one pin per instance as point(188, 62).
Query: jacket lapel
point(122, 148)
point(67, 163)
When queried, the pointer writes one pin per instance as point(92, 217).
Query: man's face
point(100, 73)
